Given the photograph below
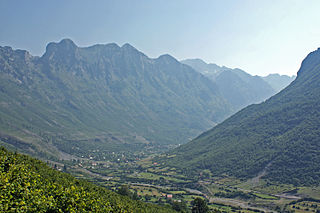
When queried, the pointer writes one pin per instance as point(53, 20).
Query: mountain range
point(278, 82)
point(105, 98)
point(239, 88)
point(102, 97)
point(278, 138)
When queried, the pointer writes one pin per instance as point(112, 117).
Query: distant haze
point(260, 37)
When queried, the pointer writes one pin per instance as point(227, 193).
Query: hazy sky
point(260, 37)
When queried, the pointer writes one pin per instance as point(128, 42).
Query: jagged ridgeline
point(29, 185)
point(280, 136)
point(102, 97)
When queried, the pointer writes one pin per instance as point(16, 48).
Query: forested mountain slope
point(282, 132)
point(28, 185)
point(102, 97)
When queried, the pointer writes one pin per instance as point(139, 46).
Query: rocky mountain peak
point(166, 58)
point(309, 63)
point(64, 50)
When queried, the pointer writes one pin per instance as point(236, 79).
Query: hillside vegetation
point(28, 185)
point(279, 136)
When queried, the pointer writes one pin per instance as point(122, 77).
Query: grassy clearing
point(158, 169)
point(215, 189)
point(226, 181)
point(177, 192)
point(265, 187)
point(155, 177)
point(190, 198)
point(149, 191)
point(310, 191)
point(266, 196)
point(220, 207)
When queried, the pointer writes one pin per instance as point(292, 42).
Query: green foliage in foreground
point(28, 185)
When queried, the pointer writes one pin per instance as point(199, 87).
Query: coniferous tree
point(199, 206)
